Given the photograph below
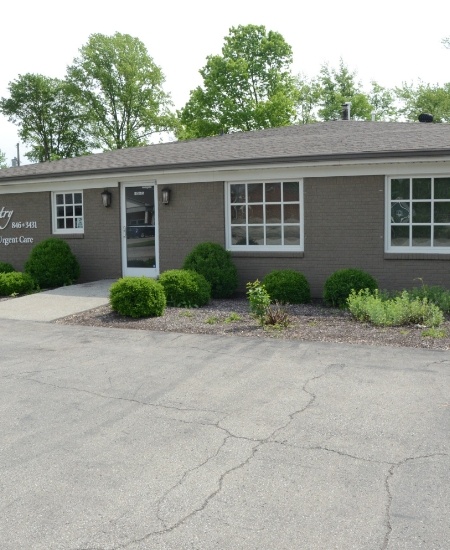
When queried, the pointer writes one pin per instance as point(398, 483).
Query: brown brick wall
point(195, 214)
point(98, 250)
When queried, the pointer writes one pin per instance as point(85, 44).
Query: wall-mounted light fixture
point(165, 195)
point(106, 198)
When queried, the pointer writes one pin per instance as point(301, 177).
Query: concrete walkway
point(53, 304)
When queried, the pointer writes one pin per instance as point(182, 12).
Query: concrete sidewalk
point(53, 304)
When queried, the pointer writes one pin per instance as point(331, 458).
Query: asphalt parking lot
point(143, 440)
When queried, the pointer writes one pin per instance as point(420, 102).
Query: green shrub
point(185, 288)
point(259, 300)
point(434, 294)
point(137, 297)
point(52, 264)
point(339, 285)
point(13, 283)
point(215, 264)
point(287, 287)
point(6, 268)
point(369, 306)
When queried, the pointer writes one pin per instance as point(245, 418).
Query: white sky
point(387, 41)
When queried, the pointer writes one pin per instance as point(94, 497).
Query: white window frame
point(264, 248)
point(70, 230)
point(410, 249)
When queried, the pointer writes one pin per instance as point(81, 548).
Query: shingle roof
point(318, 142)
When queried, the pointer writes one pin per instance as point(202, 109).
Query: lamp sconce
point(106, 198)
point(165, 195)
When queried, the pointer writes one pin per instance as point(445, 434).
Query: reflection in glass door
point(139, 236)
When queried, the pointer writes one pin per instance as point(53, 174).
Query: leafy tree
point(308, 99)
point(248, 87)
point(120, 86)
point(3, 160)
point(424, 98)
point(382, 101)
point(50, 121)
point(338, 86)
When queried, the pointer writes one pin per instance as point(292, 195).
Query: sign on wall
point(6, 222)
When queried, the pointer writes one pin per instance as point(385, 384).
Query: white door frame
point(126, 241)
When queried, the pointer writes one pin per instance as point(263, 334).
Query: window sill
point(415, 256)
point(266, 254)
point(69, 235)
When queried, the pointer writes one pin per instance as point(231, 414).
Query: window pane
point(69, 210)
point(400, 189)
point(441, 235)
point(60, 223)
point(255, 214)
point(78, 199)
point(292, 235)
point(422, 188)
point(291, 191)
point(237, 192)
point(399, 236)
point(60, 211)
point(79, 223)
point(69, 223)
point(442, 212)
point(238, 214)
point(273, 192)
point(442, 188)
point(68, 198)
point(273, 213)
point(255, 192)
point(238, 235)
point(421, 236)
point(421, 212)
point(291, 213)
point(273, 234)
point(400, 212)
point(78, 210)
point(59, 199)
point(256, 235)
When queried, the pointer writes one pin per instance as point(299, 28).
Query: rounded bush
point(185, 288)
point(287, 286)
point(6, 268)
point(340, 284)
point(13, 282)
point(137, 297)
point(215, 264)
point(52, 264)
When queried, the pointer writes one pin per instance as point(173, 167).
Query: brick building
point(314, 198)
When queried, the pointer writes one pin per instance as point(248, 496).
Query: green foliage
point(6, 268)
point(49, 119)
point(259, 300)
point(137, 297)
point(52, 264)
point(185, 288)
point(434, 333)
point(424, 98)
point(3, 163)
point(214, 262)
point(339, 285)
point(120, 87)
point(248, 87)
point(435, 294)
point(287, 286)
point(368, 306)
point(13, 283)
point(338, 86)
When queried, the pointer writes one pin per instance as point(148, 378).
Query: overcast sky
point(387, 41)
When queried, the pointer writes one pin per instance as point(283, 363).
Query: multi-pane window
point(419, 212)
point(68, 212)
point(266, 215)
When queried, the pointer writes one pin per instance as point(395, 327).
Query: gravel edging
point(231, 317)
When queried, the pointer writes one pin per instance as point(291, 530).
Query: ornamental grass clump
point(14, 283)
point(52, 264)
point(137, 297)
point(367, 306)
point(185, 288)
point(287, 287)
point(340, 284)
point(215, 264)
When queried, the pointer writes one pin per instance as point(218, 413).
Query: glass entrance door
point(139, 246)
